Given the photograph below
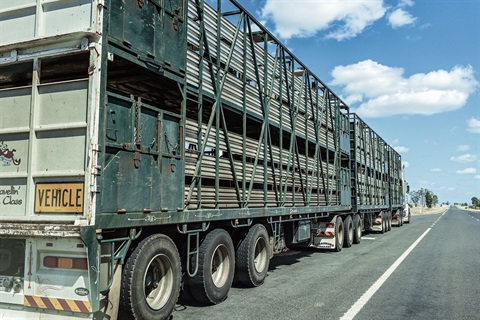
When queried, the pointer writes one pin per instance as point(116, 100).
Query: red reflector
point(80, 263)
point(50, 262)
point(329, 225)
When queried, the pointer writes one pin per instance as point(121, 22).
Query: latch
point(136, 159)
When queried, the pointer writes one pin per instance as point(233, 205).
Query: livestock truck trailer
point(149, 147)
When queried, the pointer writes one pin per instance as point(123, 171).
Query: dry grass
point(424, 210)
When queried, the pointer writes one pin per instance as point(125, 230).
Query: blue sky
point(411, 69)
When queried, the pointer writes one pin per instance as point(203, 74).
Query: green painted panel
point(132, 179)
point(171, 136)
point(128, 187)
point(173, 168)
point(148, 129)
point(172, 191)
point(152, 30)
point(139, 25)
point(174, 42)
point(118, 120)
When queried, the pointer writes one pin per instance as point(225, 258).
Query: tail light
point(65, 263)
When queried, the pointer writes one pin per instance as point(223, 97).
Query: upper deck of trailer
point(286, 157)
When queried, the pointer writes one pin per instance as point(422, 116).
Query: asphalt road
point(397, 275)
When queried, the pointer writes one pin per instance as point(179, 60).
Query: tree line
point(423, 197)
point(475, 202)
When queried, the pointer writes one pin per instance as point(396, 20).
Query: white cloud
point(385, 91)
point(436, 170)
point(474, 125)
point(463, 147)
point(400, 18)
point(401, 149)
point(465, 158)
point(477, 176)
point(405, 3)
point(342, 19)
point(467, 171)
point(447, 188)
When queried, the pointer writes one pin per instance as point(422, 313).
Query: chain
point(137, 119)
point(170, 147)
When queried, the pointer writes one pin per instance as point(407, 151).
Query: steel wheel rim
point(340, 236)
point(158, 282)
point(220, 266)
point(260, 257)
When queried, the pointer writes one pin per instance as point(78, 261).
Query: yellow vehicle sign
point(59, 197)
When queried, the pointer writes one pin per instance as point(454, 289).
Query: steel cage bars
point(262, 129)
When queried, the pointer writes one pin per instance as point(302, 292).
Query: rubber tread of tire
point(243, 272)
point(126, 303)
point(199, 287)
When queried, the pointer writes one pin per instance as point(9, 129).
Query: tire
point(348, 232)
point(252, 257)
point(383, 224)
point(357, 229)
point(151, 279)
point(389, 221)
point(339, 234)
point(409, 217)
point(216, 266)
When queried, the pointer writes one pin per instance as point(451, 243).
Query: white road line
point(433, 225)
point(352, 312)
point(368, 238)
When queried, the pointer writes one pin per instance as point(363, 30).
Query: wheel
point(357, 229)
point(348, 232)
point(389, 221)
point(253, 257)
point(216, 265)
point(409, 217)
point(383, 224)
point(339, 234)
point(151, 279)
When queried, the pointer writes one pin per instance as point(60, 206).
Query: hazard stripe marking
point(64, 304)
point(29, 302)
point(73, 306)
point(47, 303)
point(83, 306)
point(57, 304)
point(39, 302)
